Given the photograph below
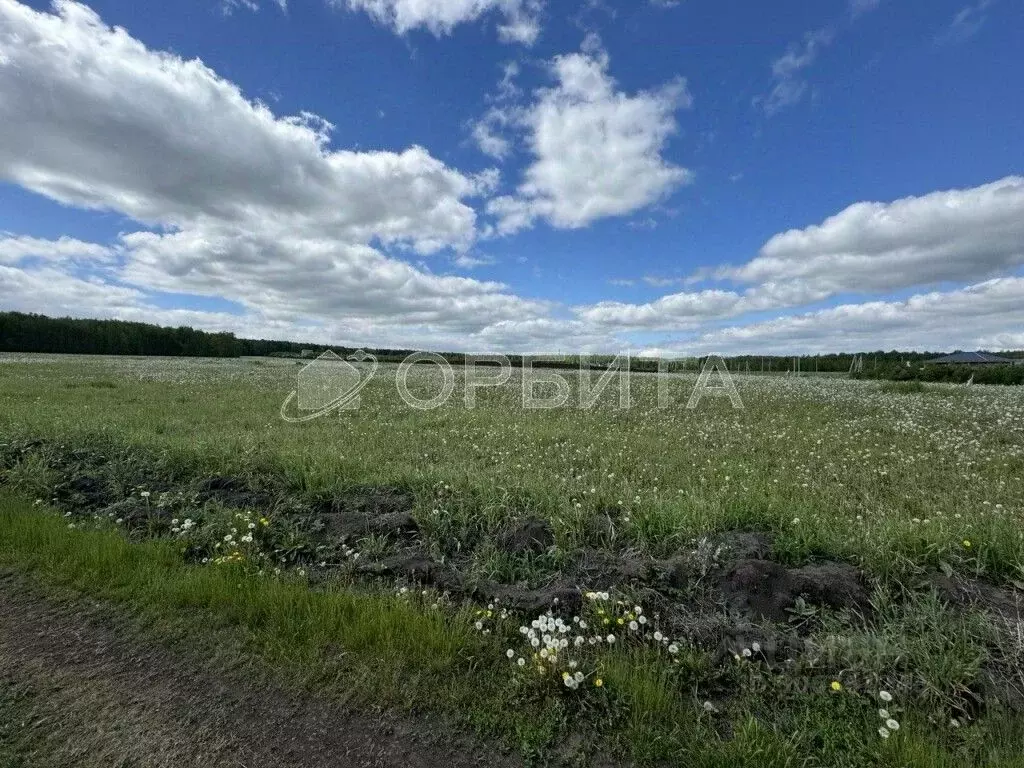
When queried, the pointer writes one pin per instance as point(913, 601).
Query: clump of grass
point(912, 387)
point(30, 475)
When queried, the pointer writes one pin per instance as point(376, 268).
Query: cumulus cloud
point(52, 290)
point(93, 118)
point(675, 311)
point(310, 241)
point(545, 334)
point(689, 309)
point(954, 235)
point(972, 317)
point(14, 249)
point(597, 151)
point(487, 133)
point(247, 205)
point(870, 247)
point(490, 132)
point(287, 275)
point(520, 18)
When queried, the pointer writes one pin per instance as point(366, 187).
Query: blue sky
point(521, 176)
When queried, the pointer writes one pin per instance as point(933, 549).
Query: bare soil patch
point(90, 694)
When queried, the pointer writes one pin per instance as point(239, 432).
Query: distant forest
point(21, 332)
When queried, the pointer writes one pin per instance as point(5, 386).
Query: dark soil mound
point(366, 511)
point(763, 589)
point(529, 537)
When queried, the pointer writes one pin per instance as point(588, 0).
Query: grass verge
point(376, 649)
point(381, 649)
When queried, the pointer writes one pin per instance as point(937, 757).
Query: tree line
point(951, 374)
point(27, 332)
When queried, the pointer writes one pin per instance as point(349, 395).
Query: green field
point(791, 561)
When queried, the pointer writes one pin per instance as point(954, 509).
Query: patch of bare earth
point(87, 694)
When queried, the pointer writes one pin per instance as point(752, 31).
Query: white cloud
point(675, 311)
point(544, 334)
point(92, 118)
point(250, 206)
point(973, 317)
point(228, 7)
point(1005, 340)
point(259, 209)
point(14, 249)
point(790, 86)
point(486, 134)
point(689, 309)
point(952, 236)
point(960, 234)
point(507, 88)
point(660, 282)
point(293, 276)
point(597, 150)
point(51, 290)
point(647, 223)
point(520, 18)
point(468, 261)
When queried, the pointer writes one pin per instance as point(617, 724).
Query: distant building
point(972, 358)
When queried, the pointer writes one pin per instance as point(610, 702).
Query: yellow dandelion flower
point(598, 682)
point(836, 685)
point(967, 543)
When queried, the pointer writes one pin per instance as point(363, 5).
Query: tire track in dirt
point(91, 695)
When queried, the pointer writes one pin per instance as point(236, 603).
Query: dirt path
point(77, 692)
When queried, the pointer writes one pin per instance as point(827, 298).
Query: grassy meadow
point(912, 494)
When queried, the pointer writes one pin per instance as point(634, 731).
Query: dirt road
point(77, 689)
